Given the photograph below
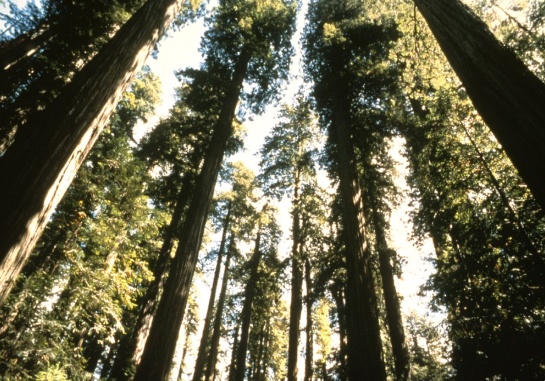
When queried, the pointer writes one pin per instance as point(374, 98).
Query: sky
point(180, 50)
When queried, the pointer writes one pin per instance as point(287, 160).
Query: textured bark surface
point(365, 358)
point(309, 358)
point(391, 300)
point(22, 46)
point(161, 344)
point(249, 292)
point(509, 97)
point(296, 305)
point(39, 166)
point(201, 356)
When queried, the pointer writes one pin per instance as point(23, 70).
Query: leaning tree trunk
point(296, 305)
point(132, 345)
point(249, 293)
point(161, 344)
point(201, 357)
point(23, 46)
point(216, 330)
point(365, 358)
point(39, 166)
point(508, 96)
point(391, 300)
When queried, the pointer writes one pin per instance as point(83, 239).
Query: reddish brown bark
point(39, 166)
point(365, 358)
point(507, 95)
point(161, 344)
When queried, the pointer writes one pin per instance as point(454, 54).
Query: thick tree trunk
point(310, 333)
point(132, 346)
point(39, 166)
point(509, 97)
point(216, 330)
point(249, 293)
point(365, 359)
point(391, 300)
point(161, 344)
point(296, 305)
point(201, 356)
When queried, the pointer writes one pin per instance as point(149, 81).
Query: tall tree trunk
point(216, 330)
point(341, 314)
point(161, 344)
point(39, 166)
point(132, 345)
point(503, 196)
point(310, 333)
point(23, 46)
point(266, 359)
point(187, 342)
point(296, 305)
point(234, 350)
point(365, 359)
point(391, 300)
point(249, 293)
point(508, 96)
point(201, 357)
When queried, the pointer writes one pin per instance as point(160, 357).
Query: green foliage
point(91, 264)
point(261, 28)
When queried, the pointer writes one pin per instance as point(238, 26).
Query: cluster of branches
point(107, 288)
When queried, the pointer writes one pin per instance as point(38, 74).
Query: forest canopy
point(393, 137)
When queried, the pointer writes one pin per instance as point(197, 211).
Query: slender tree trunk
point(216, 330)
point(296, 305)
point(39, 166)
point(23, 46)
point(249, 293)
point(107, 364)
point(161, 344)
point(507, 95)
point(257, 364)
point(184, 355)
point(365, 359)
point(201, 357)
point(391, 300)
point(341, 312)
point(234, 350)
point(310, 333)
point(503, 196)
point(266, 359)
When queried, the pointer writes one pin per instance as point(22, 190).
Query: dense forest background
point(250, 232)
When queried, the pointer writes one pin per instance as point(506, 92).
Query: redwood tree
point(507, 95)
point(41, 163)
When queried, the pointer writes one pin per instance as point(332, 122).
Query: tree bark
point(232, 367)
point(341, 315)
point(249, 293)
point(310, 332)
point(296, 305)
point(309, 362)
point(391, 300)
point(161, 344)
point(508, 96)
point(365, 358)
point(216, 330)
point(132, 346)
point(39, 166)
point(22, 46)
